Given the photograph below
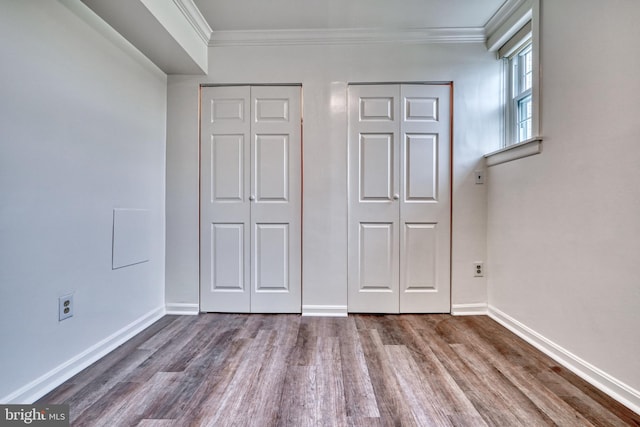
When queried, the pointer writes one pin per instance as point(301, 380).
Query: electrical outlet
point(479, 176)
point(65, 307)
point(478, 269)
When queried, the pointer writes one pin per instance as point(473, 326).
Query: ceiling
point(247, 15)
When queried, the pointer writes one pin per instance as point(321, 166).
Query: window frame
point(507, 31)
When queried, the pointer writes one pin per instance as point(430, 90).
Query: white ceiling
point(242, 15)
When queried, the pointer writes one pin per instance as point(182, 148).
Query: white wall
point(564, 226)
point(82, 131)
point(324, 72)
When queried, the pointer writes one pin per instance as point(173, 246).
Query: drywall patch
point(131, 237)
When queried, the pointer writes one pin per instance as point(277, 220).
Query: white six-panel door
point(250, 207)
point(276, 200)
point(399, 198)
point(374, 187)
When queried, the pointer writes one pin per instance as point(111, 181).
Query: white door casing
point(399, 198)
point(250, 199)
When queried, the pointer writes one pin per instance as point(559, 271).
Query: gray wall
point(564, 226)
point(82, 131)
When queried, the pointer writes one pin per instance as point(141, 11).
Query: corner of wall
point(61, 373)
point(615, 388)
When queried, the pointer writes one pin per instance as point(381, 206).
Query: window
point(518, 55)
point(514, 36)
point(521, 84)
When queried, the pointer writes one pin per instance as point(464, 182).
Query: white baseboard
point(52, 379)
point(325, 310)
point(469, 309)
point(618, 390)
point(183, 309)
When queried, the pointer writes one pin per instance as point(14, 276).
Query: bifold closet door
point(425, 205)
point(374, 187)
point(276, 200)
point(225, 212)
point(250, 201)
point(399, 198)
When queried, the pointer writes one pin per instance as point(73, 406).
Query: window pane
point(524, 107)
point(528, 68)
point(520, 105)
point(524, 73)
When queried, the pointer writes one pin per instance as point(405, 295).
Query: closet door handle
point(252, 198)
point(396, 196)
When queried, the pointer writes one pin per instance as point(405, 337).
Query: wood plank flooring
point(363, 370)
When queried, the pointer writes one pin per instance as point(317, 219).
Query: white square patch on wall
point(131, 237)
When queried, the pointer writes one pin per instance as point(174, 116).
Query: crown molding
point(346, 36)
point(195, 18)
point(502, 15)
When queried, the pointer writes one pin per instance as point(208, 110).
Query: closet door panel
point(425, 207)
point(276, 278)
point(224, 199)
point(373, 238)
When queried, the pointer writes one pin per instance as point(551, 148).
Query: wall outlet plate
point(478, 269)
point(65, 307)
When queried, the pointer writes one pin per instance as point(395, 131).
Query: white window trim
point(528, 10)
point(520, 150)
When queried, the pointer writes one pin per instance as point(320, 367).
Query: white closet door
point(374, 186)
point(250, 207)
point(399, 207)
point(276, 199)
point(425, 205)
point(225, 227)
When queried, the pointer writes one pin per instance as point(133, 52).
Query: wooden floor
point(364, 370)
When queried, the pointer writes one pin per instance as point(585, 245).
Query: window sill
point(527, 148)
